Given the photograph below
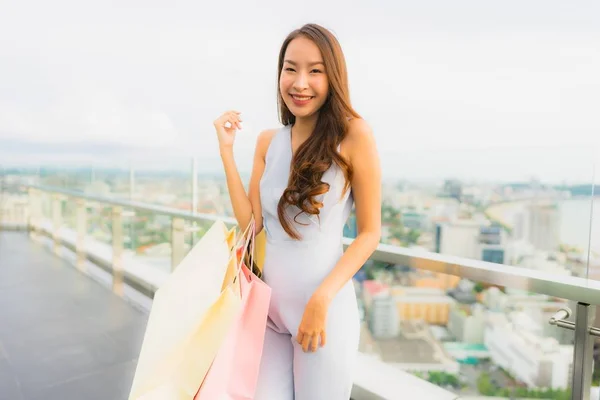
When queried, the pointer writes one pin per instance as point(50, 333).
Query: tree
point(389, 214)
point(397, 232)
point(478, 288)
point(484, 385)
point(369, 273)
point(412, 236)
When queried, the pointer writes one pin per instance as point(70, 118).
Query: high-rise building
point(493, 255)
point(458, 238)
point(467, 323)
point(453, 188)
point(414, 220)
point(491, 234)
point(424, 304)
point(515, 344)
point(383, 318)
point(472, 238)
point(521, 225)
point(544, 226)
point(380, 309)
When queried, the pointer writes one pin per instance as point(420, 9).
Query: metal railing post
point(117, 247)
point(583, 350)
point(583, 353)
point(81, 226)
point(177, 241)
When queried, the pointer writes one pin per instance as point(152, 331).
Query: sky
point(475, 90)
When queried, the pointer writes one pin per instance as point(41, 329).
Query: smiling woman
point(306, 178)
point(291, 84)
point(304, 92)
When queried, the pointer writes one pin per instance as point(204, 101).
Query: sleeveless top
point(337, 205)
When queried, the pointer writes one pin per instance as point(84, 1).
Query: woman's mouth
point(301, 100)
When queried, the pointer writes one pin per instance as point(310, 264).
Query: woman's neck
point(304, 127)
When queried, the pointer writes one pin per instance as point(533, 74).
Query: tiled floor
point(62, 335)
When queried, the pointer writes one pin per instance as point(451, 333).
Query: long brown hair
point(316, 155)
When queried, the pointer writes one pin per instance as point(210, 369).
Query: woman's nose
point(301, 82)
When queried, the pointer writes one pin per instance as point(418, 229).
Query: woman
point(305, 179)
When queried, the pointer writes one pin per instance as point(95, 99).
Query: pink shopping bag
point(233, 374)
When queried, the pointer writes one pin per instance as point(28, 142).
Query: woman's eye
point(289, 69)
point(318, 71)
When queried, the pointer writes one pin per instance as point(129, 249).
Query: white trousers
point(287, 372)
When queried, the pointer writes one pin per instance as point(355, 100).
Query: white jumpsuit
point(294, 269)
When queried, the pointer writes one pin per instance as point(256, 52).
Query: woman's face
point(303, 82)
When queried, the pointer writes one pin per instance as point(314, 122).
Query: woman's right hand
point(226, 126)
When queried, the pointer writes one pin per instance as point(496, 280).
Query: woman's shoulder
point(267, 135)
point(264, 140)
point(358, 128)
point(358, 135)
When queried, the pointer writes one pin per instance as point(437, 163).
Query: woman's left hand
point(314, 321)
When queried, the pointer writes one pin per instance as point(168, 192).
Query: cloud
point(89, 114)
point(430, 77)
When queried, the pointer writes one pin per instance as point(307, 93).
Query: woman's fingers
point(314, 342)
point(234, 119)
point(299, 337)
point(226, 126)
point(305, 342)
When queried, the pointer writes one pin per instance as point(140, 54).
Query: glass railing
point(490, 341)
point(541, 228)
point(442, 328)
point(593, 263)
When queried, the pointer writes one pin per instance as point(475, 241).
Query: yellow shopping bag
point(257, 262)
point(190, 316)
point(259, 249)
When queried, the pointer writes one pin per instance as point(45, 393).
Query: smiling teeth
point(302, 98)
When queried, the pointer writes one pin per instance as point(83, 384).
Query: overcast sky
point(473, 89)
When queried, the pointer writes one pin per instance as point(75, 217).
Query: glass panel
point(164, 181)
point(593, 254)
point(534, 216)
point(194, 232)
point(594, 262)
point(513, 206)
point(14, 204)
point(99, 223)
point(577, 244)
point(46, 205)
point(476, 340)
point(72, 178)
point(109, 181)
point(151, 239)
point(69, 213)
point(213, 195)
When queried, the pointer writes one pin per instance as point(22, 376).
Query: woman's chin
point(301, 113)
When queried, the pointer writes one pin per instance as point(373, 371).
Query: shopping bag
point(190, 316)
point(259, 242)
point(233, 374)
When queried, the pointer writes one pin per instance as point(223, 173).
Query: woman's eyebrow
point(310, 64)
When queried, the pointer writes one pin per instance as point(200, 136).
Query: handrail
point(136, 205)
point(566, 287)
